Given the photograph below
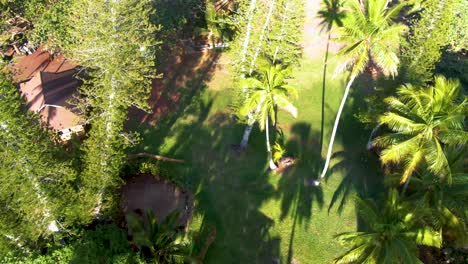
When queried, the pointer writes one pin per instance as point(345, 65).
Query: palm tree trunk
point(335, 128)
point(249, 127)
point(323, 89)
point(246, 135)
point(270, 156)
point(276, 116)
point(251, 120)
point(403, 191)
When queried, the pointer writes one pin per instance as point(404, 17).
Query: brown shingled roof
point(48, 83)
point(40, 60)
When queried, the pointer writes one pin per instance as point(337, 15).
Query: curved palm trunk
point(270, 156)
point(323, 88)
point(335, 128)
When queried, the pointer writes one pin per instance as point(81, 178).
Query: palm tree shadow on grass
point(362, 172)
point(296, 190)
point(331, 14)
point(229, 190)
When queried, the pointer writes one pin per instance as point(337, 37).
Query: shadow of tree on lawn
point(362, 173)
point(229, 189)
point(296, 190)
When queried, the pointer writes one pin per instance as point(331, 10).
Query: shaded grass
point(260, 216)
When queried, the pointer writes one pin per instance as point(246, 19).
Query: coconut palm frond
point(455, 137)
point(424, 123)
point(371, 31)
point(399, 151)
point(410, 167)
point(394, 231)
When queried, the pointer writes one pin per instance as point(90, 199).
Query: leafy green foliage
point(106, 244)
point(274, 36)
point(117, 44)
point(454, 65)
point(424, 120)
point(160, 242)
point(50, 23)
point(48, 17)
point(394, 231)
point(219, 23)
point(429, 34)
point(177, 16)
point(36, 184)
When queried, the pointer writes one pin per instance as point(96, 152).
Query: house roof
point(49, 94)
point(48, 84)
point(40, 60)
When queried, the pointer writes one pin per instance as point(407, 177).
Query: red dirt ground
point(180, 67)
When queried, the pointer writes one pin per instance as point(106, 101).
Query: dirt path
point(314, 41)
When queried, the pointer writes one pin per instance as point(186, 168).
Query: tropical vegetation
point(167, 89)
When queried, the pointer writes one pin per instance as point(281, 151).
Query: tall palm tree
point(331, 14)
point(393, 234)
point(371, 38)
point(265, 95)
point(423, 122)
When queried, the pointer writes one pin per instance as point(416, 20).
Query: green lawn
point(261, 216)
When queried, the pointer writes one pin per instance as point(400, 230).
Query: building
point(48, 83)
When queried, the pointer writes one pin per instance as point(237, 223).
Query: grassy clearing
point(260, 216)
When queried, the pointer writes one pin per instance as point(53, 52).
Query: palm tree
point(447, 202)
point(264, 96)
point(371, 38)
point(393, 234)
point(331, 14)
point(423, 122)
point(160, 242)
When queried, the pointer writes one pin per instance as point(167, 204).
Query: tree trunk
point(249, 127)
point(403, 191)
point(323, 89)
point(110, 132)
point(372, 136)
point(335, 127)
point(276, 117)
point(283, 23)
point(245, 137)
point(262, 36)
point(247, 36)
point(270, 156)
point(153, 156)
point(251, 120)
